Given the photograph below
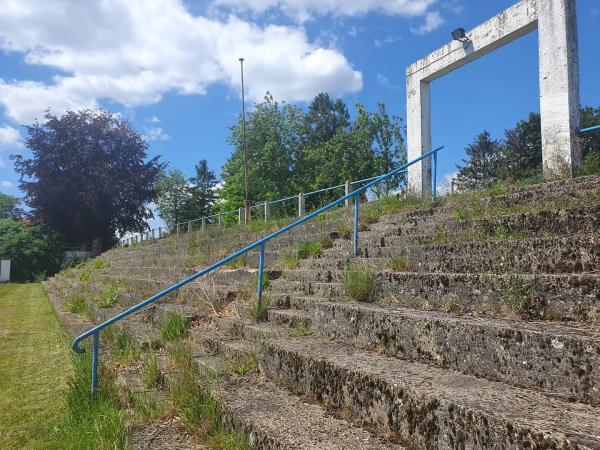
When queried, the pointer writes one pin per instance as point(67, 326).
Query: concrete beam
point(511, 24)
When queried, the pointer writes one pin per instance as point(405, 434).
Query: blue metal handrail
point(588, 130)
point(95, 331)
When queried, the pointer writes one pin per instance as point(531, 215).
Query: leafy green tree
point(273, 137)
point(33, 250)
point(203, 191)
point(88, 178)
point(389, 148)
point(522, 150)
point(175, 202)
point(9, 207)
point(483, 167)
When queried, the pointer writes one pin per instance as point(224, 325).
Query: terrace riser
point(418, 415)
point(549, 297)
point(556, 359)
point(564, 255)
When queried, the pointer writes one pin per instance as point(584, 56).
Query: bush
point(359, 283)
point(33, 250)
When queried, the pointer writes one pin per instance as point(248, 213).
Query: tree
point(9, 207)
point(324, 119)
point(273, 137)
point(522, 150)
point(390, 151)
point(482, 168)
point(175, 202)
point(88, 178)
point(32, 250)
point(203, 190)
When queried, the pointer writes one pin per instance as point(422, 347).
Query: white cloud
point(387, 40)
point(433, 20)
point(154, 119)
point(303, 10)
point(6, 184)
point(9, 137)
point(156, 134)
point(135, 52)
point(2, 164)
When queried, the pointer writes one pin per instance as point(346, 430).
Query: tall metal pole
point(246, 200)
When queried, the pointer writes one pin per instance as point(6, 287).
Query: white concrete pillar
point(559, 86)
point(418, 135)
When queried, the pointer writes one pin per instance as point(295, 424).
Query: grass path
point(34, 368)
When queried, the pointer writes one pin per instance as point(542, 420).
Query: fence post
point(203, 223)
point(220, 219)
point(267, 212)
point(240, 216)
point(301, 204)
point(159, 232)
point(177, 229)
point(189, 226)
point(347, 190)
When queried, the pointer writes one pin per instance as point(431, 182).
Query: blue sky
point(171, 67)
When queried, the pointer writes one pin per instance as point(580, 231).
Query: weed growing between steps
point(399, 264)
point(302, 330)
point(123, 349)
point(260, 312)
point(288, 260)
point(151, 373)
point(174, 327)
point(359, 283)
point(310, 249)
point(189, 393)
point(93, 421)
point(523, 299)
point(110, 296)
point(244, 365)
point(265, 282)
point(77, 304)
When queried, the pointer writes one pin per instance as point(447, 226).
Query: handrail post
point(95, 349)
point(267, 211)
point(434, 176)
point(356, 203)
point(301, 204)
point(347, 190)
point(261, 263)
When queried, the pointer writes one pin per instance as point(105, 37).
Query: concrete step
point(291, 318)
point(573, 254)
point(428, 406)
point(560, 360)
point(558, 297)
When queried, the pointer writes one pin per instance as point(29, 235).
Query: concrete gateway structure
point(556, 21)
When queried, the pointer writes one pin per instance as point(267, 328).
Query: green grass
point(398, 264)
point(289, 260)
point(85, 276)
point(34, 369)
point(110, 296)
point(174, 327)
point(309, 249)
point(259, 312)
point(359, 283)
point(77, 304)
point(151, 374)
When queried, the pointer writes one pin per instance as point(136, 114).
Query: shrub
point(174, 327)
point(359, 283)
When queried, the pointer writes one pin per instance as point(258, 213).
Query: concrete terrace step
point(428, 406)
point(272, 418)
point(558, 359)
point(291, 318)
point(546, 255)
point(555, 296)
